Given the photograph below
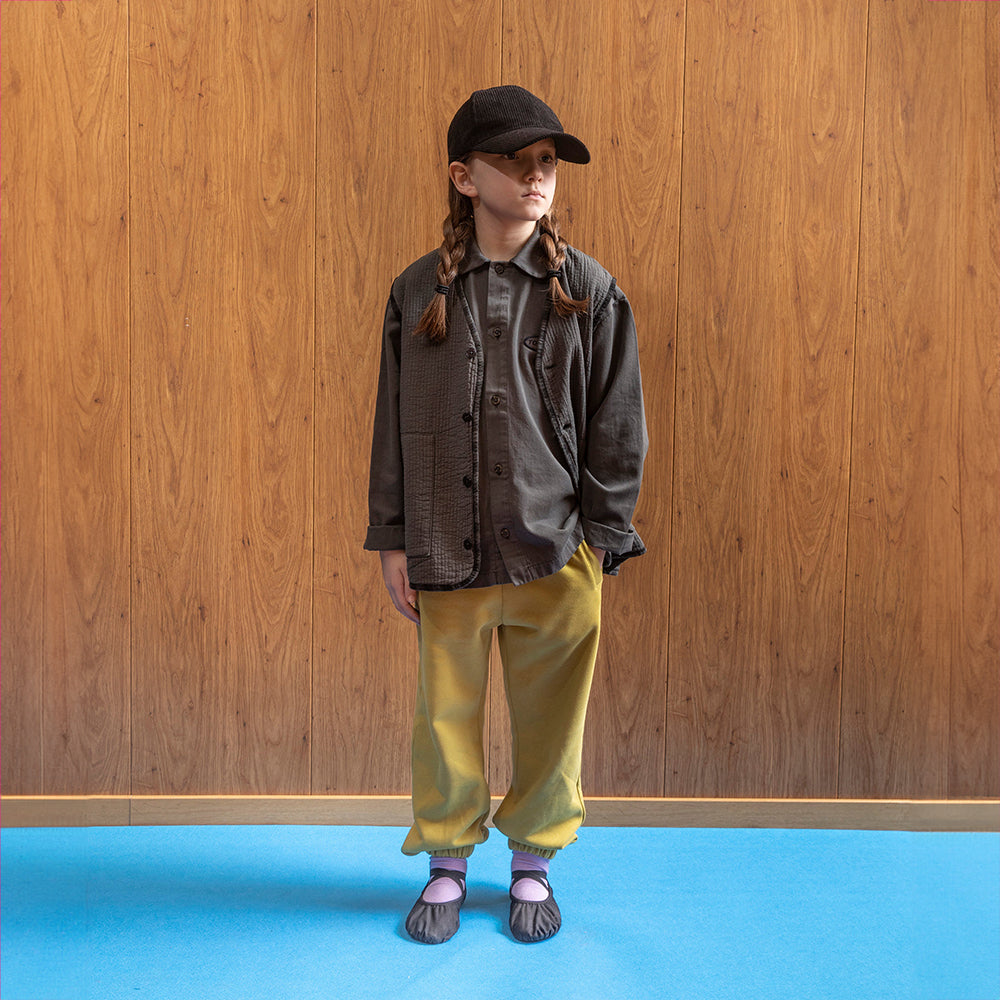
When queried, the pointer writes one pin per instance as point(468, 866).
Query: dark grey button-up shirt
point(529, 518)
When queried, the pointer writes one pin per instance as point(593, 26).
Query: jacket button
point(495, 399)
point(467, 482)
point(467, 417)
point(470, 353)
point(498, 469)
point(505, 532)
point(467, 543)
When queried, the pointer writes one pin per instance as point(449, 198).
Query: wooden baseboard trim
point(973, 815)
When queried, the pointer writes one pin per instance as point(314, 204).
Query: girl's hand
point(397, 582)
point(599, 553)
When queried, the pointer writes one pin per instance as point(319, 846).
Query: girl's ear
point(462, 179)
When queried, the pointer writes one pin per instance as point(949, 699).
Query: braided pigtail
point(554, 247)
point(458, 228)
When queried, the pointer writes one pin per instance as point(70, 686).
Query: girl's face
point(509, 189)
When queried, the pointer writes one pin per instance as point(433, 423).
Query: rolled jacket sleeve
point(386, 524)
point(616, 437)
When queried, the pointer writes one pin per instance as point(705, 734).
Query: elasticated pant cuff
point(454, 852)
point(540, 852)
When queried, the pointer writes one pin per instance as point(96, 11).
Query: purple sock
point(527, 889)
point(444, 890)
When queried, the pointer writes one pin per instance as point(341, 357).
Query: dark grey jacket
point(423, 494)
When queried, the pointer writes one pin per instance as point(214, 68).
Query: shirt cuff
point(600, 536)
point(619, 545)
point(383, 537)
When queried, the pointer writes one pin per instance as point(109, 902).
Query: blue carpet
point(300, 912)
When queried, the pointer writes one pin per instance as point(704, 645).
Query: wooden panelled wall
point(203, 208)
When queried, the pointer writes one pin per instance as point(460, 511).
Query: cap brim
point(568, 147)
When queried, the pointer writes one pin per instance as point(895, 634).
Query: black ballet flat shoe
point(533, 921)
point(435, 923)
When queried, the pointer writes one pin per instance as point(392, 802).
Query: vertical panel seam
point(854, 378)
point(45, 639)
point(500, 53)
point(129, 329)
point(312, 444)
point(673, 442)
point(493, 666)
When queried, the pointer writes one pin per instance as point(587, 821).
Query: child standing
point(507, 455)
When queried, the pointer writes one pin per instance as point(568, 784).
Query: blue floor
point(301, 912)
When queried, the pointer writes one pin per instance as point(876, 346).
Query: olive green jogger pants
point(547, 631)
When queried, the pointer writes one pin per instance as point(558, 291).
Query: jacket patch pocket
point(418, 496)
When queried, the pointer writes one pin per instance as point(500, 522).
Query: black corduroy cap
point(506, 119)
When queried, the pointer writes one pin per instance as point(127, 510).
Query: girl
point(506, 460)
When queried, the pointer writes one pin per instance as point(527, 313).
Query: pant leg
point(451, 798)
point(548, 643)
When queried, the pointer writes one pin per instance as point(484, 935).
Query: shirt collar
point(528, 259)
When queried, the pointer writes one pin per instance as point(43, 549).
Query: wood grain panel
point(24, 421)
point(497, 741)
point(974, 735)
point(223, 161)
point(773, 112)
point(922, 635)
point(615, 79)
point(168, 204)
point(391, 75)
point(66, 343)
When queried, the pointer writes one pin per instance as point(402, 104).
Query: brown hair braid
point(459, 227)
point(554, 247)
